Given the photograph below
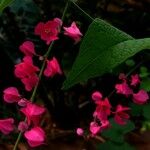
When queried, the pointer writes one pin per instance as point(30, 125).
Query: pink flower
point(135, 79)
point(73, 32)
point(103, 109)
point(6, 125)
point(80, 131)
point(48, 31)
point(11, 95)
point(26, 71)
point(96, 96)
point(25, 68)
point(33, 113)
point(23, 102)
point(23, 126)
point(105, 124)
point(27, 48)
point(141, 97)
point(30, 82)
point(124, 89)
point(94, 128)
point(120, 115)
point(52, 68)
point(35, 136)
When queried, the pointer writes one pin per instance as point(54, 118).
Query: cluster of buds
point(26, 71)
point(104, 108)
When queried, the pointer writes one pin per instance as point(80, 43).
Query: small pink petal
point(23, 126)
point(135, 80)
point(27, 48)
point(80, 131)
point(94, 128)
point(141, 97)
point(6, 125)
point(73, 32)
point(35, 136)
point(96, 96)
point(11, 95)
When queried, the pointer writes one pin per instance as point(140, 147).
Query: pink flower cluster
point(27, 72)
point(34, 134)
point(104, 109)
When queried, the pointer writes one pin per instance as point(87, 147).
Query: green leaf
point(146, 111)
point(4, 4)
point(113, 146)
point(116, 132)
point(136, 110)
point(103, 48)
point(98, 39)
point(145, 84)
point(130, 62)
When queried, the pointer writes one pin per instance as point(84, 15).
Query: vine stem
point(40, 73)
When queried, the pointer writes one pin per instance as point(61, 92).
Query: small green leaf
point(114, 146)
point(116, 132)
point(130, 62)
point(145, 84)
point(4, 4)
point(146, 111)
point(136, 110)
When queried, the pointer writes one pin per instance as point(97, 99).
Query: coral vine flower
point(73, 32)
point(135, 79)
point(52, 68)
point(23, 126)
point(11, 95)
point(96, 96)
point(48, 31)
point(35, 136)
point(33, 113)
point(26, 71)
point(124, 89)
point(80, 131)
point(103, 109)
point(94, 128)
point(120, 115)
point(141, 97)
point(27, 48)
point(6, 125)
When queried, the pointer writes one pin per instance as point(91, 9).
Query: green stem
point(40, 74)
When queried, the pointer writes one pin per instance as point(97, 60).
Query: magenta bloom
point(27, 48)
point(135, 79)
point(52, 68)
point(48, 31)
point(26, 71)
point(120, 115)
point(33, 113)
point(6, 125)
point(35, 136)
point(23, 126)
point(94, 128)
point(11, 95)
point(103, 109)
point(124, 89)
point(96, 96)
point(73, 32)
point(80, 131)
point(141, 97)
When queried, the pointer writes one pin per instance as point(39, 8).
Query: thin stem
point(40, 74)
point(79, 8)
